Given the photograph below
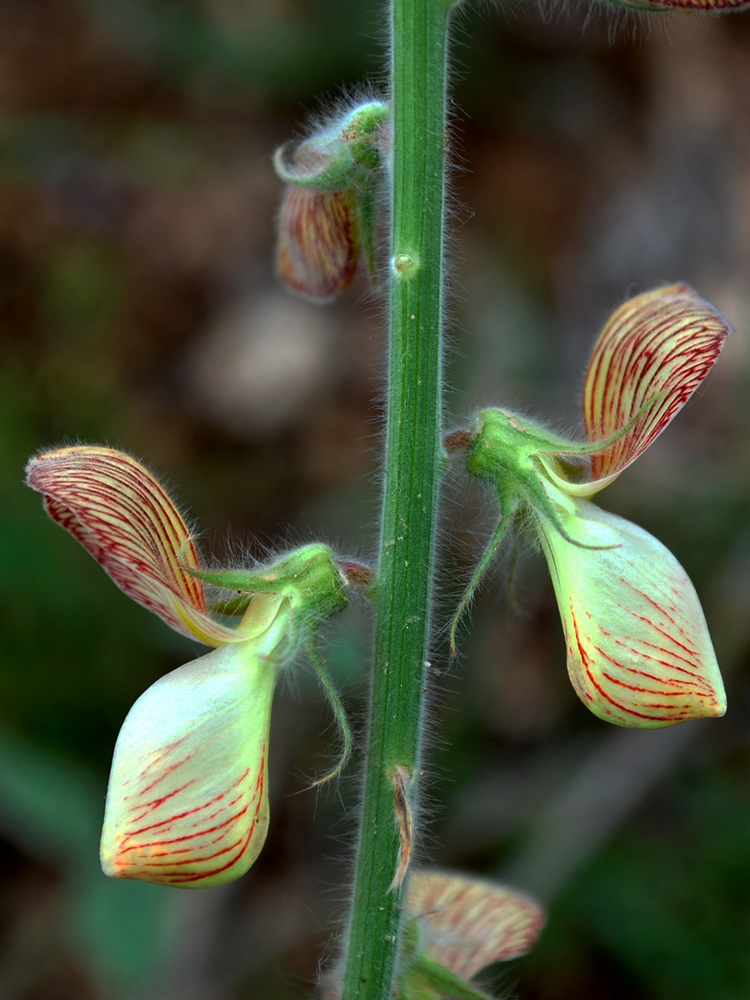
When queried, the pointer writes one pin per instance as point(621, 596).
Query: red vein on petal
point(586, 660)
point(197, 848)
point(123, 517)
point(664, 341)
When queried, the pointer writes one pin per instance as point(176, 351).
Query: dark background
point(138, 307)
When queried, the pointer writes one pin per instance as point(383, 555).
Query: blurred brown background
point(138, 307)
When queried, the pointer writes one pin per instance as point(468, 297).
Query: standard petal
point(639, 652)
point(467, 924)
point(126, 521)
point(657, 347)
point(319, 241)
point(711, 6)
point(187, 801)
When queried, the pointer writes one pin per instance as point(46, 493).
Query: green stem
point(413, 465)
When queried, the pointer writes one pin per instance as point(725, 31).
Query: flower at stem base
point(455, 926)
point(638, 649)
point(466, 924)
point(187, 802)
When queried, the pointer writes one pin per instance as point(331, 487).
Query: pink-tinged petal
point(187, 802)
point(657, 346)
point(467, 924)
point(126, 521)
point(639, 653)
point(319, 241)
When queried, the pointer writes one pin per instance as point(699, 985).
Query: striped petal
point(187, 800)
point(126, 521)
point(319, 241)
point(467, 924)
point(711, 6)
point(657, 347)
point(639, 653)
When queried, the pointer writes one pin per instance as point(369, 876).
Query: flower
point(187, 802)
point(466, 924)
point(638, 649)
point(319, 241)
point(328, 210)
point(455, 926)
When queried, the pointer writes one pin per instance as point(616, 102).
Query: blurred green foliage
point(667, 902)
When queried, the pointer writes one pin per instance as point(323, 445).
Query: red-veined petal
point(639, 652)
point(187, 802)
point(657, 346)
point(709, 6)
point(126, 521)
point(319, 241)
point(467, 924)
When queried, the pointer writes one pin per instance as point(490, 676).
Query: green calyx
point(522, 460)
point(364, 133)
point(342, 156)
point(424, 979)
point(525, 464)
point(532, 472)
point(506, 445)
point(427, 979)
point(309, 578)
point(311, 586)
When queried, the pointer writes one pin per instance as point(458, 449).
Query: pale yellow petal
point(187, 803)
point(638, 649)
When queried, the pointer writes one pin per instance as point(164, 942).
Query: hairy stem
point(413, 463)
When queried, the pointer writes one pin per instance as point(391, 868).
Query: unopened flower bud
point(319, 242)
point(328, 209)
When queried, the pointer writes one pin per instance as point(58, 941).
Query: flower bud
point(319, 242)
point(455, 926)
point(328, 209)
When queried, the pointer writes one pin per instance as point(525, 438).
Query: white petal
point(187, 802)
point(639, 652)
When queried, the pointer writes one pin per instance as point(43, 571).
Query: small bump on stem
point(405, 265)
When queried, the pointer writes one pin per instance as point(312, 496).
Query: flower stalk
point(412, 473)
